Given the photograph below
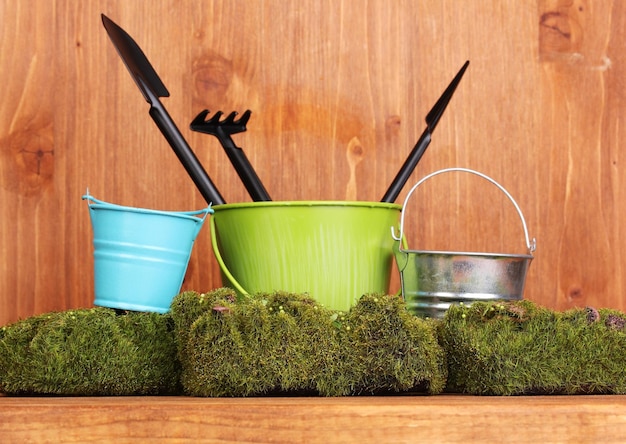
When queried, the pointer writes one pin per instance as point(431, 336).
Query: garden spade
point(152, 88)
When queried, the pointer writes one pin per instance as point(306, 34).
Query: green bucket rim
point(307, 203)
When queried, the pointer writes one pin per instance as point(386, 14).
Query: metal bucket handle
point(530, 244)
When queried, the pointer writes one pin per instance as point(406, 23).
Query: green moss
point(215, 344)
point(390, 350)
point(521, 348)
point(287, 343)
point(89, 352)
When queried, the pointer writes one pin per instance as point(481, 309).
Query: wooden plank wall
point(339, 91)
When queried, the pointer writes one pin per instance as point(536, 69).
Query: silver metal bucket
point(433, 280)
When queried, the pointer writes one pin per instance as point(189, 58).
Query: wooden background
point(339, 91)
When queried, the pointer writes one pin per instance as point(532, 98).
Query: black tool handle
point(244, 168)
point(407, 168)
point(184, 153)
point(432, 118)
point(248, 176)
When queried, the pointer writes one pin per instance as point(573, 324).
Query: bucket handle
point(204, 212)
point(221, 262)
point(530, 244)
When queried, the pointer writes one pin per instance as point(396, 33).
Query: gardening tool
point(223, 129)
point(152, 88)
point(433, 280)
point(432, 118)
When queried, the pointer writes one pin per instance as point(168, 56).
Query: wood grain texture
point(339, 91)
point(442, 419)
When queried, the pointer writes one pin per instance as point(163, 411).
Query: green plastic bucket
point(140, 255)
point(334, 251)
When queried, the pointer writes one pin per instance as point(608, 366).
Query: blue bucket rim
point(100, 204)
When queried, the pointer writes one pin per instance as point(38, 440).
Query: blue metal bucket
point(140, 255)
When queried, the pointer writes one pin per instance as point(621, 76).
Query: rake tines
point(229, 125)
point(223, 129)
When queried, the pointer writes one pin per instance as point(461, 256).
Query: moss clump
point(387, 349)
point(287, 343)
point(89, 352)
point(520, 348)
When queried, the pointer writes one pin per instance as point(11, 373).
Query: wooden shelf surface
point(445, 418)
